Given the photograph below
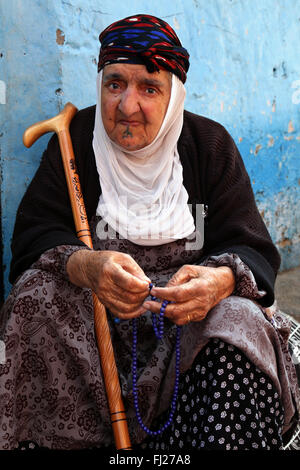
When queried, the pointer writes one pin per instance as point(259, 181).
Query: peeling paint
point(284, 242)
point(176, 23)
point(277, 214)
point(270, 141)
point(281, 68)
point(257, 149)
point(60, 37)
point(290, 127)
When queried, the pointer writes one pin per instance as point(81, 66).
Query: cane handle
point(56, 124)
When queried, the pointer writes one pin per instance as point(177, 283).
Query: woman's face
point(133, 103)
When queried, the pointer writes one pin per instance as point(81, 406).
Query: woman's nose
point(129, 102)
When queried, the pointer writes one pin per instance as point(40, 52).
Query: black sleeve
point(234, 224)
point(44, 218)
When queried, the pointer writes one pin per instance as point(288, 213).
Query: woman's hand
point(117, 280)
point(195, 290)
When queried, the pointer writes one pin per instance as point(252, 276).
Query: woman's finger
point(116, 293)
point(178, 312)
point(182, 314)
point(181, 276)
point(182, 293)
point(127, 279)
point(135, 313)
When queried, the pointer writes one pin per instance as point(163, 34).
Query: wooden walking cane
point(60, 125)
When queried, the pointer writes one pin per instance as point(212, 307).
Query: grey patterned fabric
point(51, 386)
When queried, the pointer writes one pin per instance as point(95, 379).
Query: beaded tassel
point(159, 331)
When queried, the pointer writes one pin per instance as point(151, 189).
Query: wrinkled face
point(133, 103)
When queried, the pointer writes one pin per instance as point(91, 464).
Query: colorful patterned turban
point(143, 39)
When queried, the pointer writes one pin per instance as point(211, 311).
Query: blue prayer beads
point(159, 332)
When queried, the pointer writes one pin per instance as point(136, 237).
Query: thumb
point(186, 273)
point(179, 278)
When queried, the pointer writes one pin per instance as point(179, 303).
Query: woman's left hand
point(193, 291)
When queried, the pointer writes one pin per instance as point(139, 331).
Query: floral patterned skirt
point(224, 403)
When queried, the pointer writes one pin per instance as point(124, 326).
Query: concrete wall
point(245, 73)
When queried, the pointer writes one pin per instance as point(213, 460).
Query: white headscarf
point(143, 197)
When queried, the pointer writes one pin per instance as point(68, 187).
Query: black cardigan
point(213, 174)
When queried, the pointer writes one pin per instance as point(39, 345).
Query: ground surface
point(287, 292)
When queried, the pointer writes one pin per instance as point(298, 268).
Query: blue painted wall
point(245, 73)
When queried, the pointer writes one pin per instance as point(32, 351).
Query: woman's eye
point(114, 86)
point(151, 91)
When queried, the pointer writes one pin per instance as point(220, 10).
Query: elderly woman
point(143, 163)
